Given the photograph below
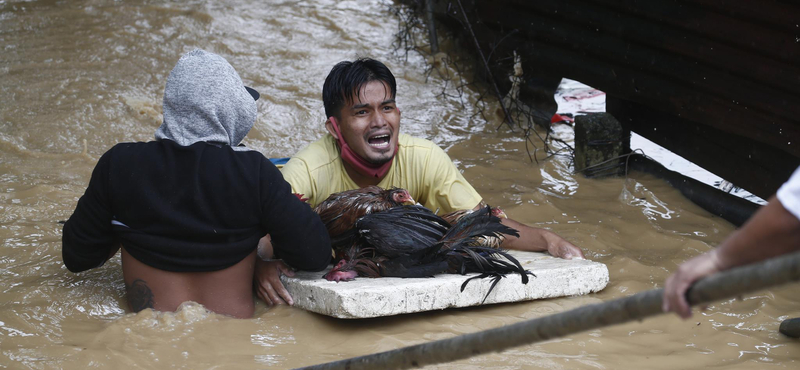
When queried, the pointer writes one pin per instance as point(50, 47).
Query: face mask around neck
point(360, 164)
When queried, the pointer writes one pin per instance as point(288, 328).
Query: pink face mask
point(359, 164)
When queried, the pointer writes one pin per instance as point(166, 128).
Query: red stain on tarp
point(559, 118)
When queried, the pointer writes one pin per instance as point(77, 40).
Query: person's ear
point(329, 123)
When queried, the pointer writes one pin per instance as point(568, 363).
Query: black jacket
point(201, 207)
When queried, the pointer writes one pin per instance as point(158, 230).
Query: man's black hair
point(347, 78)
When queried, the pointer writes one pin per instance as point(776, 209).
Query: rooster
point(373, 240)
point(411, 241)
point(491, 242)
point(455, 216)
point(340, 211)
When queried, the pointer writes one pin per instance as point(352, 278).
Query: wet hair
point(346, 79)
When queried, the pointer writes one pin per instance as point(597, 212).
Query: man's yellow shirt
point(419, 166)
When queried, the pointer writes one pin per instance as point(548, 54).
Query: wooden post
point(431, 27)
point(598, 144)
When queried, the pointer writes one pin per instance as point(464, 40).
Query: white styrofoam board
point(366, 297)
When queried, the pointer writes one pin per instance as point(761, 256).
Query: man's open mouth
point(379, 141)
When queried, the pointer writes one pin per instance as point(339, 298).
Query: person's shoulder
point(126, 149)
point(414, 147)
point(132, 145)
point(415, 142)
point(319, 154)
point(142, 146)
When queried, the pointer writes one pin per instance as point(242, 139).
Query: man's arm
point(538, 240)
point(450, 191)
point(87, 241)
point(296, 235)
point(772, 231)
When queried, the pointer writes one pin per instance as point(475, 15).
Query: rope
point(720, 286)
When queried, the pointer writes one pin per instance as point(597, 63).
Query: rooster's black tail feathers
point(473, 227)
point(402, 230)
point(489, 262)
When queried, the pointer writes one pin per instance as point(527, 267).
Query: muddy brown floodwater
point(76, 77)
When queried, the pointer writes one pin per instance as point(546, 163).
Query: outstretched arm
point(534, 239)
point(772, 231)
point(539, 240)
point(447, 188)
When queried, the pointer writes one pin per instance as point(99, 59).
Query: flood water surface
point(76, 77)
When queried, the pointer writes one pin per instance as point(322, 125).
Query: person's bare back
point(227, 291)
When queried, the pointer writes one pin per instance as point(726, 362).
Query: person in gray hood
point(187, 210)
point(205, 101)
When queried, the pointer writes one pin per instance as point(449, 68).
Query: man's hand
point(267, 279)
point(559, 247)
point(678, 283)
point(771, 232)
point(539, 240)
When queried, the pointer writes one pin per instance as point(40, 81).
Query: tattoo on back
point(139, 295)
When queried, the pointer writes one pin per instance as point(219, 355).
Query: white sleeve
point(789, 194)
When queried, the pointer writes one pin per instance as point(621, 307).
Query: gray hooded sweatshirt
point(193, 200)
point(206, 101)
